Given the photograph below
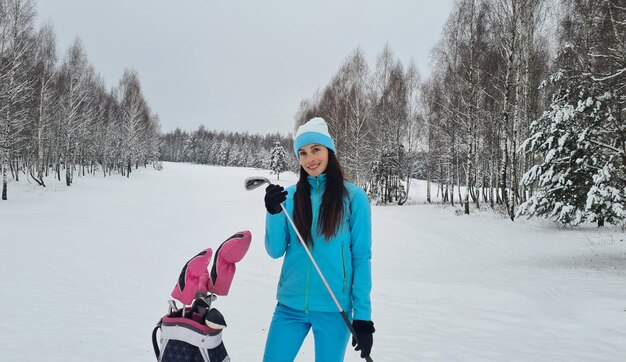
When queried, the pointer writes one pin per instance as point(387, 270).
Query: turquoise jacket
point(344, 259)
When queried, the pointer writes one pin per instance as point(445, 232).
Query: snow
point(87, 271)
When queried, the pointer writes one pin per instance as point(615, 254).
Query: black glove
point(274, 195)
point(365, 334)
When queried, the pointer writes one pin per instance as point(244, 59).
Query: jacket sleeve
point(276, 234)
point(361, 243)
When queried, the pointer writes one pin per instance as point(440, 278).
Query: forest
point(57, 116)
point(525, 108)
point(523, 112)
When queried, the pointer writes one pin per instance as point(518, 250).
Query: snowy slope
point(86, 272)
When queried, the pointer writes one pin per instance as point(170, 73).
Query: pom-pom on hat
point(314, 131)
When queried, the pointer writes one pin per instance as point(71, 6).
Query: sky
point(240, 65)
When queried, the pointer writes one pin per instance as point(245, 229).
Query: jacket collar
point(315, 181)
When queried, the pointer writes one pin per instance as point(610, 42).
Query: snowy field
point(86, 272)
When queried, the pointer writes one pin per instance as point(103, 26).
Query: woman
point(333, 217)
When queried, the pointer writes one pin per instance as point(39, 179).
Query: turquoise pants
point(290, 326)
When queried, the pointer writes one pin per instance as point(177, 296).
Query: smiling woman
point(334, 220)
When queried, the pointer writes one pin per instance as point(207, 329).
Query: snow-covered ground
point(86, 272)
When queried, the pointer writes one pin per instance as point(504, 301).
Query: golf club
point(254, 182)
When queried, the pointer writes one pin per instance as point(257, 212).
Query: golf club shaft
point(319, 272)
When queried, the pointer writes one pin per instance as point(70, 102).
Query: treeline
point(56, 115)
point(483, 95)
point(524, 108)
point(225, 148)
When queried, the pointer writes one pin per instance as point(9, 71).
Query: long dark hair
point(331, 210)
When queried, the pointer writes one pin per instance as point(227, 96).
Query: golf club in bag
point(255, 182)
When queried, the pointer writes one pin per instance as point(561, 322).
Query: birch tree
point(415, 127)
point(358, 100)
point(16, 40)
point(45, 71)
point(73, 90)
point(133, 110)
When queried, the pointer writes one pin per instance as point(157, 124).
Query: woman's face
point(314, 159)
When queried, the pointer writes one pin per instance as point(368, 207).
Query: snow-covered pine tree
point(583, 136)
point(278, 160)
point(384, 182)
point(563, 177)
point(246, 155)
point(606, 112)
point(223, 155)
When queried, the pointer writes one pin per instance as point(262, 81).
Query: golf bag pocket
point(185, 339)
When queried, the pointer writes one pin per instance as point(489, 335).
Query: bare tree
point(415, 127)
point(45, 65)
point(16, 40)
point(134, 111)
point(73, 87)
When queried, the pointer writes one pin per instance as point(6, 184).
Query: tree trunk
point(66, 162)
point(68, 177)
point(40, 157)
point(514, 181)
point(408, 187)
point(428, 177)
point(5, 158)
point(16, 166)
point(504, 174)
point(40, 130)
point(468, 173)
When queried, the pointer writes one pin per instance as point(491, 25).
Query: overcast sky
point(240, 65)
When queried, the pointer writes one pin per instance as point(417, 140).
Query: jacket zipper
point(306, 293)
point(343, 266)
point(317, 191)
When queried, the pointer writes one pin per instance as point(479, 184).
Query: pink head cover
point(195, 276)
point(191, 277)
point(230, 252)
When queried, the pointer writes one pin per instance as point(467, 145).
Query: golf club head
point(254, 182)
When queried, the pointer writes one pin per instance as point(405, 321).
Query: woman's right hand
point(274, 195)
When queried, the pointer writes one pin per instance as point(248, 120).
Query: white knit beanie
point(314, 131)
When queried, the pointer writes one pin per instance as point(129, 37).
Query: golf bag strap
point(155, 344)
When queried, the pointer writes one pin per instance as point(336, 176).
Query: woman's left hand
point(365, 334)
